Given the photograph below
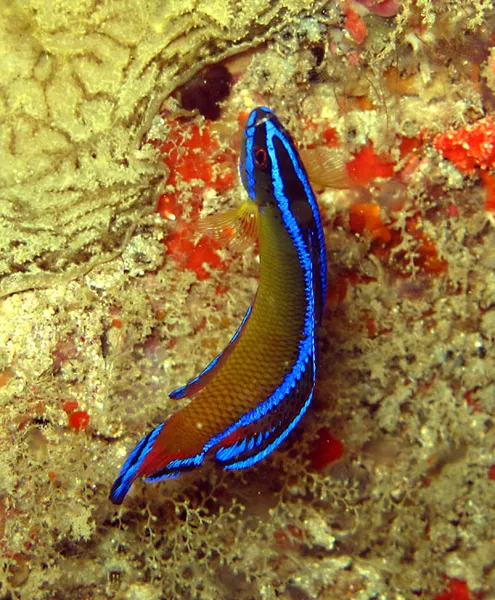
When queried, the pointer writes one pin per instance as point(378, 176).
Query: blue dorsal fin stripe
point(168, 475)
point(290, 222)
point(198, 382)
point(177, 466)
point(225, 454)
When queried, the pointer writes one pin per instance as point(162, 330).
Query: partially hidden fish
point(251, 396)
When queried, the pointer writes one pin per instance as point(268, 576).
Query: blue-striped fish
point(250, 397)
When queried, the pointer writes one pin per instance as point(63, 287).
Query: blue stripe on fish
point(263, 428)
point(307, 346)
point(248, 462)
point(182, 391)
point(127, 474)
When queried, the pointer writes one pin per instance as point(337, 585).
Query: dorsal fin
point(206, 374)
point(259, 432)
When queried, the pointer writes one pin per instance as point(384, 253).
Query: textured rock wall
point(79, 82)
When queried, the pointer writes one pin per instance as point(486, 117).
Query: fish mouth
point(258, 116)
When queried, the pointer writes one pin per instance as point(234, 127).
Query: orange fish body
point(246, 402)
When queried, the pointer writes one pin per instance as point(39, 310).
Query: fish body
point(252, 395)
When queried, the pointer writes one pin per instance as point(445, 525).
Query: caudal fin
point(133, 466)
point(150, 460)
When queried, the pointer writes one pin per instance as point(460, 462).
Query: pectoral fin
point(238, 227)
point(326, 168)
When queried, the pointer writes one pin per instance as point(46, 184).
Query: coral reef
point(387, 488)
point(79, 84)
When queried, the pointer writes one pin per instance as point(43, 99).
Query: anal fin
point(259, 432)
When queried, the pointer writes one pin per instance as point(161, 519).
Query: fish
point(248, 400)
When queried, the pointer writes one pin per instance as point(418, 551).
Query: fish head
point(259, 161)
point(271, 169)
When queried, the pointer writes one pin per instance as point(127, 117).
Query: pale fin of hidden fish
point(238, 227)
point(326, 168)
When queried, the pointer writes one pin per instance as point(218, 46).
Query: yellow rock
point(78, 89)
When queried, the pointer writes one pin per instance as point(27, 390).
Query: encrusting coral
point(78, 87)
point(386, 490)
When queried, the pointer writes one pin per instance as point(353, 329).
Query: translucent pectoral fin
point(237, 227)
point(326, 168)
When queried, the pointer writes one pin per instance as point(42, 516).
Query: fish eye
point(261, 158)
